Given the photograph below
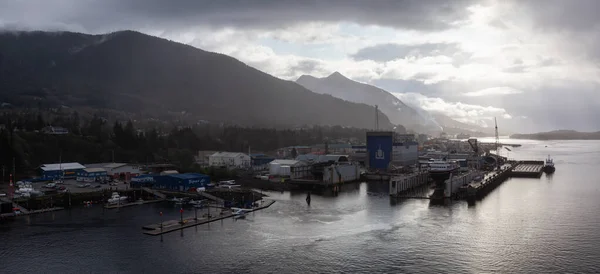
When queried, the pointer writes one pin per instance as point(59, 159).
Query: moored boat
point(549, 166)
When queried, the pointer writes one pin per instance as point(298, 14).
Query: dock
point(478, 190)
point(30, 212)
point(528, 169)
point(107, 206)
point(155, 192)
point(406, 185)
point(175, 225)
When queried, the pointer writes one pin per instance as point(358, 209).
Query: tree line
point(97, 140)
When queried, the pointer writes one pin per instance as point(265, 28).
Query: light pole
point(161, 222)
point(181, 212)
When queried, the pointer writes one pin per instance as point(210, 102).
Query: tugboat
point(549, 166)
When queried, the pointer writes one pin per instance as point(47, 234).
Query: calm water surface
point(547, 225)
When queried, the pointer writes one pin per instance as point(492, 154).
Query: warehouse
point(92, 175)
point(289, 168)
point(120, 171)
point(229, 160)
point(57, 171)
point(175, 182)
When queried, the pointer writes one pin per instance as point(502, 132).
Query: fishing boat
point(549, 166)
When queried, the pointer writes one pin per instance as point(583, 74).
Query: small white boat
point(116, 198)
point(195, 202)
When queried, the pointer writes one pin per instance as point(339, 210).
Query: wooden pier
point(175, 225)
point(528, 169)
point(30, 212)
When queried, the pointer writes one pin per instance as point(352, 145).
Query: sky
point(533, 64)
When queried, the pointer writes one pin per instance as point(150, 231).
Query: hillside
point(341, 87)
point(397, 111)
point(559, 135)
point(138, 73)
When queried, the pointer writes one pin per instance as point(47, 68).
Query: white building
point(230, 160)
point(293, 168)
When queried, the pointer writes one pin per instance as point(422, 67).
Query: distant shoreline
point(563, 135)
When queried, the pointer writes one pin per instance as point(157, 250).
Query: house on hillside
point(55, 130)
point(229, 160)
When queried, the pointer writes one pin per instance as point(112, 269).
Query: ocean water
point(547, 225)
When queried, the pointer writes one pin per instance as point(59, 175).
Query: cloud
point(467, 58)
point(389, 52)
point(243, 14)
point(494, 91)
point(466, 113)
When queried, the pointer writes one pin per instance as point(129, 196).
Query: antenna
point(497, 137)
point(376, 117)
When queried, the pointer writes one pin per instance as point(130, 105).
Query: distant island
point(559, 135)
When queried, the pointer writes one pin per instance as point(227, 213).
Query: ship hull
point(549, 169)
point(442, 176)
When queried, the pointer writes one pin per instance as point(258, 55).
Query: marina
point(175, 225)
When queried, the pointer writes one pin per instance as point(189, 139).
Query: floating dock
point(175, 225)
point(528, 169)
point(132, 204)
point(478, 190)
point(403, 186)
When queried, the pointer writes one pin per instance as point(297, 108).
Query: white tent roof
point(63, 166)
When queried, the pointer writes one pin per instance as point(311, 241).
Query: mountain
point(454, 127)
point(341, 87)
point(138, 73)
point(559, 135)
point(413, 118)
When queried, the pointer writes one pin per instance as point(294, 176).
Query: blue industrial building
point(175, 182)
point(51, 172)
point(92, 175)
point(379, 149)
point(260, 159)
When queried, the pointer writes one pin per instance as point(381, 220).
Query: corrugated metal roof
point(228, 154)
point(115, 165)
point(285, 162)
point(95, 169)
point(63, 166)
point(97, 165)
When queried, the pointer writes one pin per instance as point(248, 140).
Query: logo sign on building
point(379, 148)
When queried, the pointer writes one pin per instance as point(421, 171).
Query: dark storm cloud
point(103, 15)
point(388, 52)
